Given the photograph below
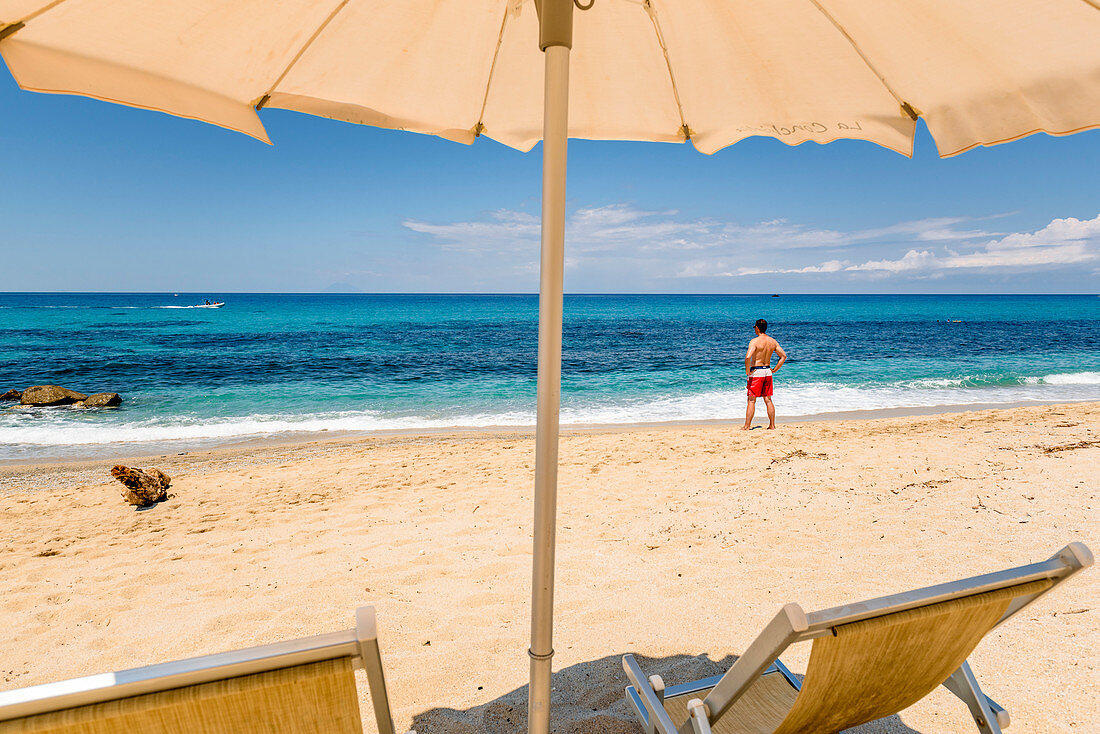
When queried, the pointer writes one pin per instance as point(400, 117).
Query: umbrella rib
point(907, 108)
point(262, 100)
point(40, 11)
point(652, 13)
point(480, 126)
point(18, 25)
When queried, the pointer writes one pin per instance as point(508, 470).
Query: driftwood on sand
point(144, 487)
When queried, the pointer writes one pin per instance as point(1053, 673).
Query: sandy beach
point(675, 543)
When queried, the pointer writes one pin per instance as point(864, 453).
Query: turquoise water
point(271, 365)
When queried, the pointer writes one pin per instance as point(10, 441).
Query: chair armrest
point(784, 629)
point(697, 715)
point(654, 709)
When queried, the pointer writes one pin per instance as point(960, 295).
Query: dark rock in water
point(50, 395)
point(102, 400)
point(144, 487)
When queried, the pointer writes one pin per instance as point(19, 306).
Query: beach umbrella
point(712, 72)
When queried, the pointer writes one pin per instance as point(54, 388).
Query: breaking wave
point(41, 433)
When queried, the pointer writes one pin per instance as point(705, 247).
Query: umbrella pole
point(556, 39)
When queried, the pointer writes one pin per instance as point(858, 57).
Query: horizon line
point(176, 294)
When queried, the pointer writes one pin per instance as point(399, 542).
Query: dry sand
point(675, 543)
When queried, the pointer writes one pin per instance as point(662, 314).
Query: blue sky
point(97, 197)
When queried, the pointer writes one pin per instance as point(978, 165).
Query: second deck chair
point(298, 687)
point(868, 660)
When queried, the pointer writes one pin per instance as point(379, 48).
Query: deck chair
point(299, 687)
point(868, 660)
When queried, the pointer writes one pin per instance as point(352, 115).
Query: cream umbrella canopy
point(979, 72)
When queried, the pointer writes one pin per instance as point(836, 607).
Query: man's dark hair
point(762, 325)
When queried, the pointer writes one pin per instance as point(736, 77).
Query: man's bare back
point(758, 361)
point(761, 350)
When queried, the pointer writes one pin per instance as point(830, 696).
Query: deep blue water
point(272, 364)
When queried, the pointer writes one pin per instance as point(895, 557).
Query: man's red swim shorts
point(760, 383)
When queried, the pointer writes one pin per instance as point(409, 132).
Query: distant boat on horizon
point(208, 304)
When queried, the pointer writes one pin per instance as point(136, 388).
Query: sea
point(274, 366)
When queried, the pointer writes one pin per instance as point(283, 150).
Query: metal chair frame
point(792, 625)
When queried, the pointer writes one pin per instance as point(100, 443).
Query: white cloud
point(829, 266)
point(505, 229)
point(1062, 242)
point(622, 227)
point(912, 260)
point(591, 229)
point(781, 234)
point(927, 230)
point(664, 244)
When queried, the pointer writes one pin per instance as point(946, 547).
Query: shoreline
point(62, 472)
point(139, 451)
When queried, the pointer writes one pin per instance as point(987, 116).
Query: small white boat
point(216, 304)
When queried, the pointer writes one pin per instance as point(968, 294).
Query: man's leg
point(749, 411)
point(771, 411)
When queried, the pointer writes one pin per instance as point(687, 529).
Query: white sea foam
point(815, 399)
point(1073, 378)
point(52, 432)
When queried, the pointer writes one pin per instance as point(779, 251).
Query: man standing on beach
point(758, 361)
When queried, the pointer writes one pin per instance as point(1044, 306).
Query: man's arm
point(782, 357)
point(748, 357)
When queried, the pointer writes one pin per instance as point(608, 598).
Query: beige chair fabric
point(305, 699)
point(866, 670)
point(759, 711)
point(880, 666)
point(978, 71)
